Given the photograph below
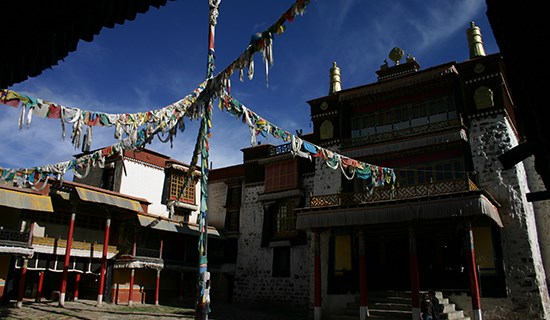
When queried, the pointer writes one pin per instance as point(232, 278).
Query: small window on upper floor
point(176, 189)
point(281, 176)
point(233, 196)
point(108, 179)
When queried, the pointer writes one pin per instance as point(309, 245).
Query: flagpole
point(202, 306)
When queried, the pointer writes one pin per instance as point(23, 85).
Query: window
point(108, 179)
point(233, 196)
point(232, 220)
point(181, 214)
point(281, 262)
point(285, 219)
point(176, 186)
point(432, 172)
point(281, 176)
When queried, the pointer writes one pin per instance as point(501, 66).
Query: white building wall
point(542, 214)
point(217, 195)
point(253, 276)
point(144, 181)
point(328, 180)
point(491, 136)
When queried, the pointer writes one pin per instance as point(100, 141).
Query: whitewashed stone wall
point(253, 275)
point(217, 195)
point(328, 180)
point(146, 182)
point(542, 214)
point(490, 136)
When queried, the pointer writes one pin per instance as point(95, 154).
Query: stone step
point(396, 305)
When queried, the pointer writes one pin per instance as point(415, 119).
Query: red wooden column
point(317, 294)
point(363, 307)
point(415, 281)
point(23, 276)
point(474, 276)
point(76, 285)
point(21, 291)
point(101, 288)
point(40, 285)
point(157, 287)
point(132, 275)
point(67, 258)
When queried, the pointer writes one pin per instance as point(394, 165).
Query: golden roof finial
point(475, 41)
point(335, 83)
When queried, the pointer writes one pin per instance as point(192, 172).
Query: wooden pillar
point(157, 288)
point(76, 285)
point(67, 258)
point(40, 284)
point(101, 288)
point(22, 277)
point(132, 275)
point(317, 294)
point(415, 280)
point(31, 232)
point(474, 276)
point(363, 307)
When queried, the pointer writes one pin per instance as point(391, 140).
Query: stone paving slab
point(87, 310)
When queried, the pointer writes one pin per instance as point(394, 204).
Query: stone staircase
point(394, 305)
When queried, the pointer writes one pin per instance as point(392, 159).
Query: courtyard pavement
point(87, 310)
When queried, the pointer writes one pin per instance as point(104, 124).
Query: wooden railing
point(385, 194)
point(280, 149)
point(146, 252)
point(62, 243)
point(12, 235)
point(401, 133)
point(12, 238)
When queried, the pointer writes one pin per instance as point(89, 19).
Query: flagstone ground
point(87, 310)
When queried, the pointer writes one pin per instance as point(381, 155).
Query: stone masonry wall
point(542, 213)
point(253, 275)
point(217, 194)
point(490, 136)
point(327, 180)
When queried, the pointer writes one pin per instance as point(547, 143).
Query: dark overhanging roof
point(520, 32)
point(38, 34)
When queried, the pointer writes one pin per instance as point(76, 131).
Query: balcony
point(95, 248)
point(12, 238)
point(397, 133)
point(399, 193)
point(280, 149)
point(143, 258)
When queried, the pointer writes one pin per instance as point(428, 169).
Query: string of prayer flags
point(375, 176)
point(126, 124)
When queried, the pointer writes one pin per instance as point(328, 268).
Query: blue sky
point(161, 56)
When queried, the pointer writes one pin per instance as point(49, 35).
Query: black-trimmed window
point(176, 186)
point(108, 179)
point(281, 262)
point(284, 220)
